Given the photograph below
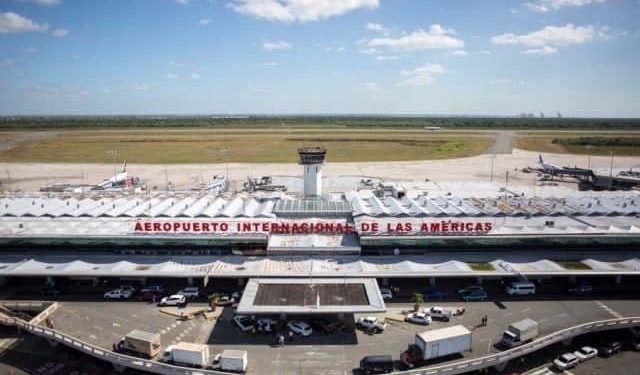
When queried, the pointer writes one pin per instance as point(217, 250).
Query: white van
point(521, 288)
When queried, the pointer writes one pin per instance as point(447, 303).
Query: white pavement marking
point(608, 309)
point(568, 372)
point(115, 324)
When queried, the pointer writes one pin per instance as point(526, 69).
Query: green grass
point(619, 144)
point(481, 266)
point(573, 265)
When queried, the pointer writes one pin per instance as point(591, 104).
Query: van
point(521, 288)
point(376, 364)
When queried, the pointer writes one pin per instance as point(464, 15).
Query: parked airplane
point(118, 180)
point(550, 168)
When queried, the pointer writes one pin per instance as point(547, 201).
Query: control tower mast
point(312, 158)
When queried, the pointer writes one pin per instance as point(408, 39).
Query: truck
point(231, 360)
point(437, 343)
point(370, 324)
point(519, 333)
point(139, 343)
point(188, 354)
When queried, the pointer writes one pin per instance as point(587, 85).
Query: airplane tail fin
point(124, 166)
point(540, 160)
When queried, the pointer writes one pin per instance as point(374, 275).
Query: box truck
point(519, 333)
point(437, 343)
point(188, 354)
point(139, 343)
point(231, 360)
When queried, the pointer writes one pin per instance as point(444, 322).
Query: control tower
point(312, 158)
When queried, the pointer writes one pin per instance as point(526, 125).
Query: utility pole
point(611, 170)
point(493, 160)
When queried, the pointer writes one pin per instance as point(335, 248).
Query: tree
point(417, 299)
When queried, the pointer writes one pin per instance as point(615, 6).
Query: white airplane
point(118, 180)
point(550, 168)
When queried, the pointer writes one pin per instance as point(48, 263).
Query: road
point(503, 143)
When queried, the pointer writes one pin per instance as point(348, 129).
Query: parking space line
point(608, 309)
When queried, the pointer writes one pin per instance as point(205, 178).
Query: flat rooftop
point(308, 294)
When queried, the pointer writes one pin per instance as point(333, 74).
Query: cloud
point(60, 33)
point(543, 6)
point(544, 50)
point(205, 21)
point(459, 52)
point(422, 76)
point(275, 45)
point(299, 10)
point(195, 76)
point(387, 57)
point(545, 40)
point(7, 63)
point(436, 37)
point(377, 28)
point(30, 50)
point(485, 52)
point(370, 51)
point(334, 49)
point(42, 2)
point(172, 76)
point(370, 86)
point(13, 23)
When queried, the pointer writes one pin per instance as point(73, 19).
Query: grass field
point(594, 144)
point(202, 145)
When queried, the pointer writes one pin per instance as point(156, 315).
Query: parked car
point(173, 300)
point(635, 344)
point(117, 294)
point(244, 322)
point(266, 325)
point(370, 324)
point(471, 288)
point(387, 294)
point(565, 361)
point(586, 352)
point(190, 292)
point(150, 296)
point(418, 318)
point(474, 296)
point(376, 364)
point(323, 325)
point(157, 289)
point(581, 290)
point(300, 327)
point(439, 313)
point(431, 294)
point(129, 288)
point(610, 349)
point(224, 299)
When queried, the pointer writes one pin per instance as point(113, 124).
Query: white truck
point(370, 324)
point(439, 313)
point(437, 343)
point(519, 333)
point(231, 360)
point(139, 343)
point(188, 354)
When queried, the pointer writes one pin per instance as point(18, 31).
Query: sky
point(580, 58)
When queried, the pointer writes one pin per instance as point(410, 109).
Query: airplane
point(120, 179)
point(550, 168)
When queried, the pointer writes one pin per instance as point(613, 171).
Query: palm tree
point(417, 299)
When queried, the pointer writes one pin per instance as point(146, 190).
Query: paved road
point(503, 143)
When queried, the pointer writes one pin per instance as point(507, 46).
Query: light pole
point(611, 170)
point(493, 160)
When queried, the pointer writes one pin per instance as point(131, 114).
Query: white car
point(174, 300)
point(565, 361)
point(117, 294)
point(300, 327)
point(386, 293)
point(586, 352)
point(441, 313)
point(244, 322)
point(190, 292)
point(418, 318)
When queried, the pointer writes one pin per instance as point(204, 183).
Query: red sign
point(243, 227)
point(443, 226)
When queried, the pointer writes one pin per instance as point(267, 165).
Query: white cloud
point(422, 76)
point(299, 10)
point(182, 2)
point(544, 50)
point(370, 51)
point(377, 28)
point(7, 63)
point(275, 45)
point(459, 52)
point(334, 49)
point(387, 57)
point(547, 39)
point(12, 23)
point(30, 50)
point(195, 76)
point(436, 37)
point(370, 86)
point(42, 2)
point(205, 21)
point(543, 6)
point(172, 76)
point(60, 33)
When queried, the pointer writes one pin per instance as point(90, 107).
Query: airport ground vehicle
point(521, 288)
point(610, 349)
point(565, 361)
point(376, 364)
point(231, 360)
point(586, 352)
point(117, 294)
point(437, 343)
point(370, 324)
point(300, 327)
point(139, 343)
point(174, 300)
point(418, 318)
point(439, 313)
point(188, 354)
point(519, 333)
point(190, 292)
point(244, 322)
point(386, 293)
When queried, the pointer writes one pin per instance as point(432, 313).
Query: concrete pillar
point(385, 281)
point(501, 366)
point(479, 280)
point(143, 281)
point(432, 281)
point(190, 281)
point(573, 279)
point(241, 281)
point(618, 279)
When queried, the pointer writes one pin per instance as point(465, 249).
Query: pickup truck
point(439, 313)
point(117, 294)
point(370, 324)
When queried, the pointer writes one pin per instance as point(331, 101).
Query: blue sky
point(466, 57)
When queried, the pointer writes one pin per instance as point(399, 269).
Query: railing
point(507, 355)
point(445, 369)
